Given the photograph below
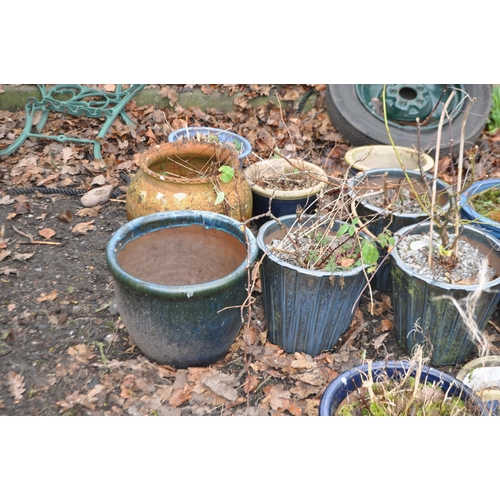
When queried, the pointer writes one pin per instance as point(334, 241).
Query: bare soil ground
point(64, 349)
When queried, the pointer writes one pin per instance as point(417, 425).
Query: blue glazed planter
point(393, 221)
point(306, 311)
point(417, 299)
point(348, 383)
point(282, 202)
point(489, 225)
point(243, 147)
point(183, 325)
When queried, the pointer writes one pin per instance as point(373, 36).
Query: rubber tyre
point(359, 127)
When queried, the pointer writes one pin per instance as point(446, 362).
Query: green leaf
point(220, 197)
point(369, 253)
point(343, 229)
point(227, 173)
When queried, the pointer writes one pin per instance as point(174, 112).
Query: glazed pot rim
point(253, 170)
point(184, 134)
point(495, 244)
point(475, 188)
point(352, 162)
point(374, 208)
point(164, 150)
point(178, 218)
point(310, 272)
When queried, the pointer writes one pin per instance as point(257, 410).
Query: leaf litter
point(71, 352)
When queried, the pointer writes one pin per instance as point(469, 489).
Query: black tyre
point(356, 112)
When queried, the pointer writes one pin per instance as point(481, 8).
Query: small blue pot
point(189, 325)
point(393, 221)
point(306, 311)
point(490, 226)
point(349, 383)
point(243, 147)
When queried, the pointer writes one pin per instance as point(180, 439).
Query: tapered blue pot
point(421, 314)
point(346, 386)
point(306, 311)
point(241, 144)
point(379, 218)
point(467, 211)
point(192, 324)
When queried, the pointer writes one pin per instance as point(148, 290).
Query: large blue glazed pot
point(419, 300)
point(347, 384)
point(188, 323)
point(490, 226)
point(242, 145)
point(305, 310)
point(379, 218)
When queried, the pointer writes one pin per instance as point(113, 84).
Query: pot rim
point(495, 244)
point(310, 272)
point(138, 227)
point(374, 208)
point(259, 167)
point(341, 380)
point(164, 150)
point(475, 188)
point(353, 162)
point(184, 134)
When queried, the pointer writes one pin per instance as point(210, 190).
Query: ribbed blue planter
point(306, 311)
point(189, 325)
point(417, 300)
point(489, 225)
point(393, 221)
point(242, 145)
point(347, 384)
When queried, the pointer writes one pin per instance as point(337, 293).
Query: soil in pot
point(289, 179)
point(177, 256)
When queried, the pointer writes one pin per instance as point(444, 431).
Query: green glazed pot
point(191, 324)
point(418, 300)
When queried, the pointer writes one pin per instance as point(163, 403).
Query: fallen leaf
point(4, 254)
point(346, 262)
point(81, 353)
point(8, 270)
point(6, 200)
point(11, 307)
point(89, 212)
point(180, 396)
point(303, 361)
point(386, 325)
point(15, 382)
point(47, 233)
point(99, 180)
point(223, 384)
point(277, 397)
point(83, 227)
point(379, 340)
point(65, 216)
point(47, 296)
point(22, 256)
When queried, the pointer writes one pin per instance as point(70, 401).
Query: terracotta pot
point(184, 176)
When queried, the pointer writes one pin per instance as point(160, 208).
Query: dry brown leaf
point(303, 361)
point(180, 396)
point(346, 262)
point(47, 296)
point(277, 397)
point(89, 212)
point(8, 270)
point(81, 353)
point(83, 227)
point(4, 254)
point(223, 384)
point(66, 216)
point(386, 325)
point(22, 256)
point(379, 340)
point(15, 382)
point(47, 233)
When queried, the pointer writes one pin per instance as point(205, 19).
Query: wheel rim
point(405, 102)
